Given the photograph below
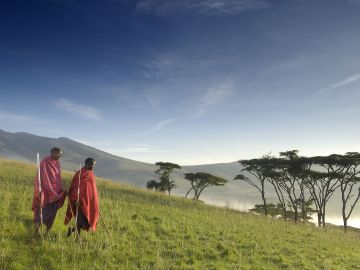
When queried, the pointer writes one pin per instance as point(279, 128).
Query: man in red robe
point(49, 195)
point(84, 202)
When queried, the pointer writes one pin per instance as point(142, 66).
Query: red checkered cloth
point(51, 183)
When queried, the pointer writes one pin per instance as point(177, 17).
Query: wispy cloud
point(143, 148)
point(83, 111)
point(96, 144)
point(211, 97)
point(209, 7)
point(162, 65)
point(154, 99)
point(344, 82)
point(156, 128)
point(15, 117)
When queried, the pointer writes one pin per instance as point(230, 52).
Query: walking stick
point(72, 213)
point(40, 190)
point(77, 203)
point(78, 199)
point(105, 225)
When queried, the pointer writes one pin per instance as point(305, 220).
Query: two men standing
point(49, 195)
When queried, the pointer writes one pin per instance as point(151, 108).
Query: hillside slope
point(155, 231)
point(24, 146)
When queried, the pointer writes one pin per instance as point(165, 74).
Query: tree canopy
point(200, 180)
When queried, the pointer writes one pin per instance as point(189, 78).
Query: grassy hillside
point(152, 231)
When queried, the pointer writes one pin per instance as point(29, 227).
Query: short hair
point(57, 149)
point(89, 161)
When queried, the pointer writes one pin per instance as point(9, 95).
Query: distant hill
point(24, 146)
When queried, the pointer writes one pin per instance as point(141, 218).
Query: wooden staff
point(105, 225)
point(40, 190)
point(78, 198)
point(72, 213)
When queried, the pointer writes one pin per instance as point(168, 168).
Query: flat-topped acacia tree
point(262, 169)
point(200, 180)
point(347, 170)
point(165, 184)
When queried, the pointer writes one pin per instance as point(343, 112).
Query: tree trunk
point(196, 194)
point(188, 192)
point(343, 210)
point(344, 216)
point(319, 219)
point(264, 202)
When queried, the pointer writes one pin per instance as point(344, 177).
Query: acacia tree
point(322, 186)
point(262, 169)
point(294, 171)
point(275, 181)
point(347, 169)
point(288, 180)
point(199, 181)
point(153, 184)
point(166, 168)
point(287, 175)
point(265, 169)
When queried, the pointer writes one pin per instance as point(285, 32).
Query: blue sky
point(187, 81)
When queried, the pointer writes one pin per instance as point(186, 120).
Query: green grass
point(155, 231)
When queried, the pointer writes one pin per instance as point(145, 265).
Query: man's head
point(90, 163)
point(55, 153)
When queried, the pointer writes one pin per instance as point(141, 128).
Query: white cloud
point(344, 82)
point(15, 117)
point(83, 111)
point(210, 7)
point(211, 97)
point(156, 128)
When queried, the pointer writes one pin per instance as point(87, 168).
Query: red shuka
point(88, 198)
point(51, 184)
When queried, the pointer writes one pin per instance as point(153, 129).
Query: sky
point(184, 81)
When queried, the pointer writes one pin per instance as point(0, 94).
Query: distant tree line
point(198, 181)
point(304, 185)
